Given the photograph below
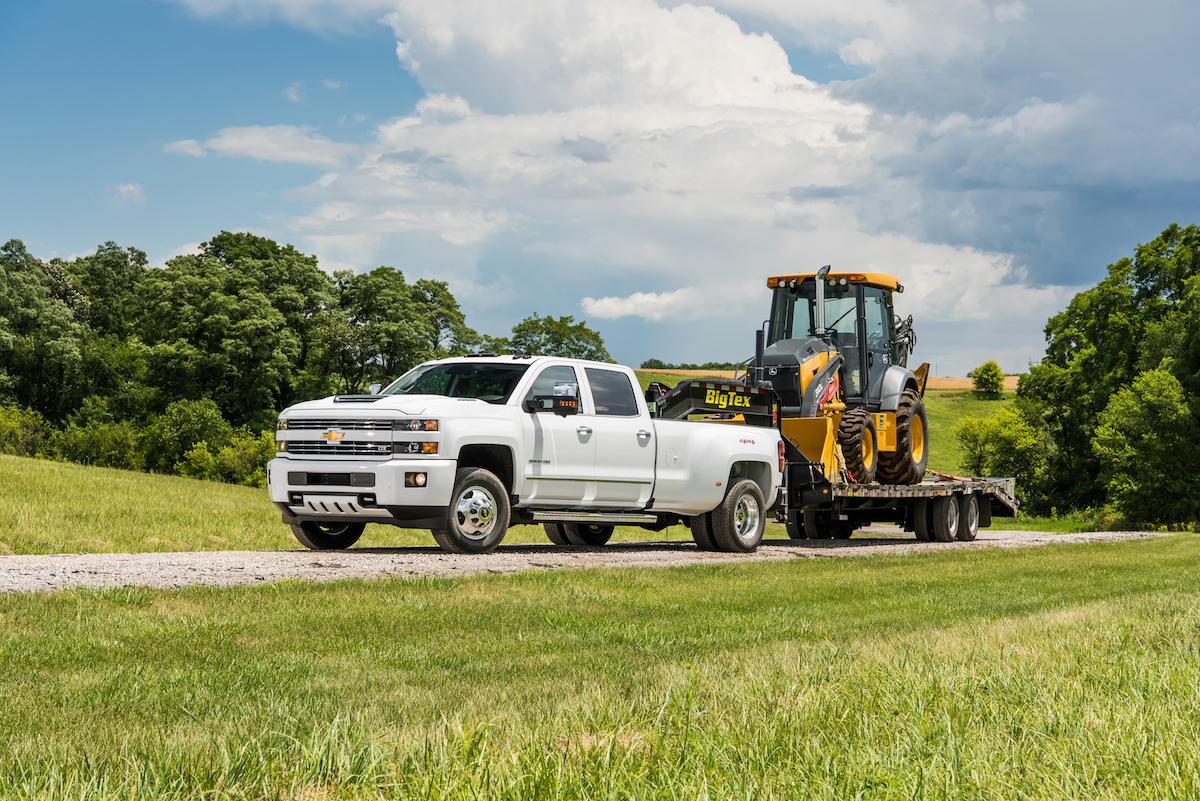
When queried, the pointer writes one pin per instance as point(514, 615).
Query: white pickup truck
point(468, 446)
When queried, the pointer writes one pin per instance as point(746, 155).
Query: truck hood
point(383, 405)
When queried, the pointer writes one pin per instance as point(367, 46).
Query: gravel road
point(229, 568)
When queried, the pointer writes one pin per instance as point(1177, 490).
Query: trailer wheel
point(327, 536)
point(555, 533)
point(479, 512)
point(968, 517)
point(701, 526)
point(738, 523)
point(795, 528)
point(860, 444)
point(586, 534)
point(824, 526)
point(922, 520)
point(906, 465)
point(945, 518)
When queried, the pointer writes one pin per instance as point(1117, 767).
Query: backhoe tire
point(701, 526)
point(587, 535)
point(906, 465)
point(945, 518)
point(327, 536)
point(738, 523)
point(555, 533)
point(860, 444)
point(478, 515)
point(968, 517)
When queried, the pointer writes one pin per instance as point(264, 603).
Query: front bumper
point(364, 491)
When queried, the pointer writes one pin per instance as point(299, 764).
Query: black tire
point(701, 526)
point(585, 534)
point(555, 533)
point(968, 517)
point(860, 444)
point(795, 527)
point(906, 465)
point(327, 536)
point(824, 526)
point(922, 520)
point(738, 523)
point(945, 518)
point(478, 515)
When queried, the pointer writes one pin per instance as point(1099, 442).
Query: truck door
point(842, 326)
point(560, 452)
point(625, 444)
point(877, 328)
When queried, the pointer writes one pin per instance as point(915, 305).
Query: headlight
point(281, 424)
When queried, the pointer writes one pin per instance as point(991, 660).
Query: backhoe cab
point(836, 355)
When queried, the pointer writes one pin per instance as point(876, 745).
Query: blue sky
point(641, 166)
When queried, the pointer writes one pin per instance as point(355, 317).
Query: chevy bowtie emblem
point(332, 435)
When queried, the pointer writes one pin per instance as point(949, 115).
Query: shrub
point(22, 431)
point(988, 378)
point(181, 426)
point(198, 462)
point(1004, 444)
point(105, 444)
point(244, 461)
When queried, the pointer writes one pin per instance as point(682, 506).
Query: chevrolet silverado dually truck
point(468, 446)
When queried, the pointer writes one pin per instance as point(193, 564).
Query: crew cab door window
point(625, 446)
point(612, 393)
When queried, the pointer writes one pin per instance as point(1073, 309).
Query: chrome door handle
point(643, 434)
point(584, 430)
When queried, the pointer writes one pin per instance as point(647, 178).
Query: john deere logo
point(332, 436)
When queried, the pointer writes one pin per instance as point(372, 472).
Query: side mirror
point(373, 389)
point(562, 405)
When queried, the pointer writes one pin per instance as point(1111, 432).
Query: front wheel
point(738, 523)
point(327, 536)
point(478, 514)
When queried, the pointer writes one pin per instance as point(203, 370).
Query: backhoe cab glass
point(793, 315)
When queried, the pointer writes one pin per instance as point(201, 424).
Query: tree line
point(1110, 418)
point(104, 359)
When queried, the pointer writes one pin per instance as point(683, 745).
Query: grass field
point(1057, 672)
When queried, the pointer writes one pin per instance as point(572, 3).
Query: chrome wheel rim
point(476, 513)
point(745, 517)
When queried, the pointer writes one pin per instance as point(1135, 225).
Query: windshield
point(493, 383)
point(792, 313)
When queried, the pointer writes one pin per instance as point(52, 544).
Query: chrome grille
point(321, 448)
point(348, 425)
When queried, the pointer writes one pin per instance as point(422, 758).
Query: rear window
point(611, 392)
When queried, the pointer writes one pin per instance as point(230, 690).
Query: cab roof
point(881, 280)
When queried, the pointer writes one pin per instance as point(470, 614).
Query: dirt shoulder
point(231, 568)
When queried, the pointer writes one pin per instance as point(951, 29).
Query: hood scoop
point(357, 398)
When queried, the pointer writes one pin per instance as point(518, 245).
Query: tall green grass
point(1050, 673)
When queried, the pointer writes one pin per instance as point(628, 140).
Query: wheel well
point(496, 458)
point(758, 472)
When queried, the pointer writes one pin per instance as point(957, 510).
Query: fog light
point(280, 446)
point(414, 479)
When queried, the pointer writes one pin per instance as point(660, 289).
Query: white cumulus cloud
point(295, 92)
point(684, 302)
point(127, 194)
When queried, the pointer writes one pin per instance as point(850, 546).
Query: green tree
point(1147, 442)
point(1005, 444)
point(988, 378)
point(547, 336)
point(1144, 315)
point(111, 278)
